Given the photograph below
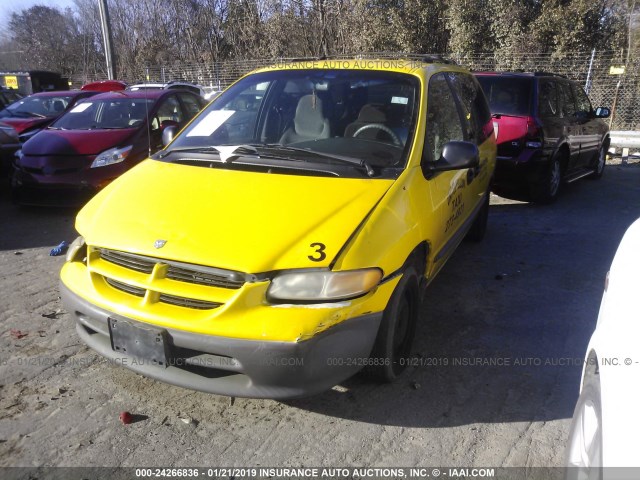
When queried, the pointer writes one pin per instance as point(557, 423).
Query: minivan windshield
point(36, 106)
point(318, 115)
point(507, 95)
point(110, 114)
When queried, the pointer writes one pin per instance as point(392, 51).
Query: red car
point(95, 142)
point(31, 114)
point(104, 86)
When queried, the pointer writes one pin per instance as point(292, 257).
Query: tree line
point(155, 32)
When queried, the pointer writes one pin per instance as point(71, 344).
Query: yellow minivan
point(282, 240)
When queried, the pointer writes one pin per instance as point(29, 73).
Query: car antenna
point(146, 107)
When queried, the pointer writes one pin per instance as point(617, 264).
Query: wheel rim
point(585, 443)
point(601, 161)
point(554, 180)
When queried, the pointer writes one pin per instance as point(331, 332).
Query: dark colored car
point(9, 143)
point(8, 96)
point(31, 114)
point(96, 141)
point(547, 133)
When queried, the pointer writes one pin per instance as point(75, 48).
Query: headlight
point(77, 248)
point(10, 131)
point(111, 156)
point(322, 286)
point(18, 155)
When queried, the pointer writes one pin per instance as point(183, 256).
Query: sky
point(7, 7)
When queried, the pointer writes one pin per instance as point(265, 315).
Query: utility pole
point(107, 39)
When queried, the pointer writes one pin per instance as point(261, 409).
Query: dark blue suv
point(547, 133)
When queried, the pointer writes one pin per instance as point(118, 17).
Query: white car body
point(197, 89)
point(610, 441)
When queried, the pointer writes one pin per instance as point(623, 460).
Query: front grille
point(188, 302)
point(137, 291)
point(164, 298)
point(202, 278)
point(181, 272)
point(128, 260)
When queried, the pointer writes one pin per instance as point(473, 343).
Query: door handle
point(471, 174)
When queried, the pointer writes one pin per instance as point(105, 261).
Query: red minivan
point(547, 133)
point(96, 141)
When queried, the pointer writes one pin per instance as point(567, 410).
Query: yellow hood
point(245, 221)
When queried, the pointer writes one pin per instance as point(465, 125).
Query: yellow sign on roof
point(11, 81)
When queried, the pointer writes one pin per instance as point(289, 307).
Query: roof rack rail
point(417, 57)
point(548, 74)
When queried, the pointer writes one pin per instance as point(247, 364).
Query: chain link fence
point(592, 70)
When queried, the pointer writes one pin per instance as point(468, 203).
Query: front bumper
point(239, 367)
point(39, 186)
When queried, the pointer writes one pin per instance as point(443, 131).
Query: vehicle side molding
point(456, 155)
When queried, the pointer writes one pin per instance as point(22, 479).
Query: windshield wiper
point(226, 152)
point(357, 162)
point(33, 114)
point(198, 149)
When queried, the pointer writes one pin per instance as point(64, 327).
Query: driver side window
point(443, 119)
point(170, 109)
point(582, 101)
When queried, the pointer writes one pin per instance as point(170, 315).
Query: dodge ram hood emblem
point(159, 243)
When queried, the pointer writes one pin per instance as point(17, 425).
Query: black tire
point(479, 228)
point(599, 163)
point(586, 427)
point(546, 190)
point(16, 196)
point(397, 330)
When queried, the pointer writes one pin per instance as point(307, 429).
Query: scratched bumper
point(235, 367)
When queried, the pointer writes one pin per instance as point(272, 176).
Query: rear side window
point(443, 120)
point(567, 104)
point(548, 99)
point(507, 95)
point(583, 104)
point(474, 105)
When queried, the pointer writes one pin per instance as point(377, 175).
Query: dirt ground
point(529, 295)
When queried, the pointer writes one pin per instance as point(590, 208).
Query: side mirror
point(583, 116)
point(168, 133)
point(455, 155)
point(168, 123)
point(602, 112)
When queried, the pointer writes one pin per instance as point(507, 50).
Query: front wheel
point(392, 347)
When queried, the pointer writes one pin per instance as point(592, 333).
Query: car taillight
point(534, 135)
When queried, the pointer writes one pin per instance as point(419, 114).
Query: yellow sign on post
point(616, 70)
point(11, 81)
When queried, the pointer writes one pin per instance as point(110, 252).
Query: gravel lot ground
point(529, 293)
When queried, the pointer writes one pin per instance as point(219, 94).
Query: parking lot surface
point(495, 379)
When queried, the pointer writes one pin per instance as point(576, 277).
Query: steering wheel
point(379, 126)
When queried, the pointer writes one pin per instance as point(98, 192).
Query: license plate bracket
point(145, 343)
